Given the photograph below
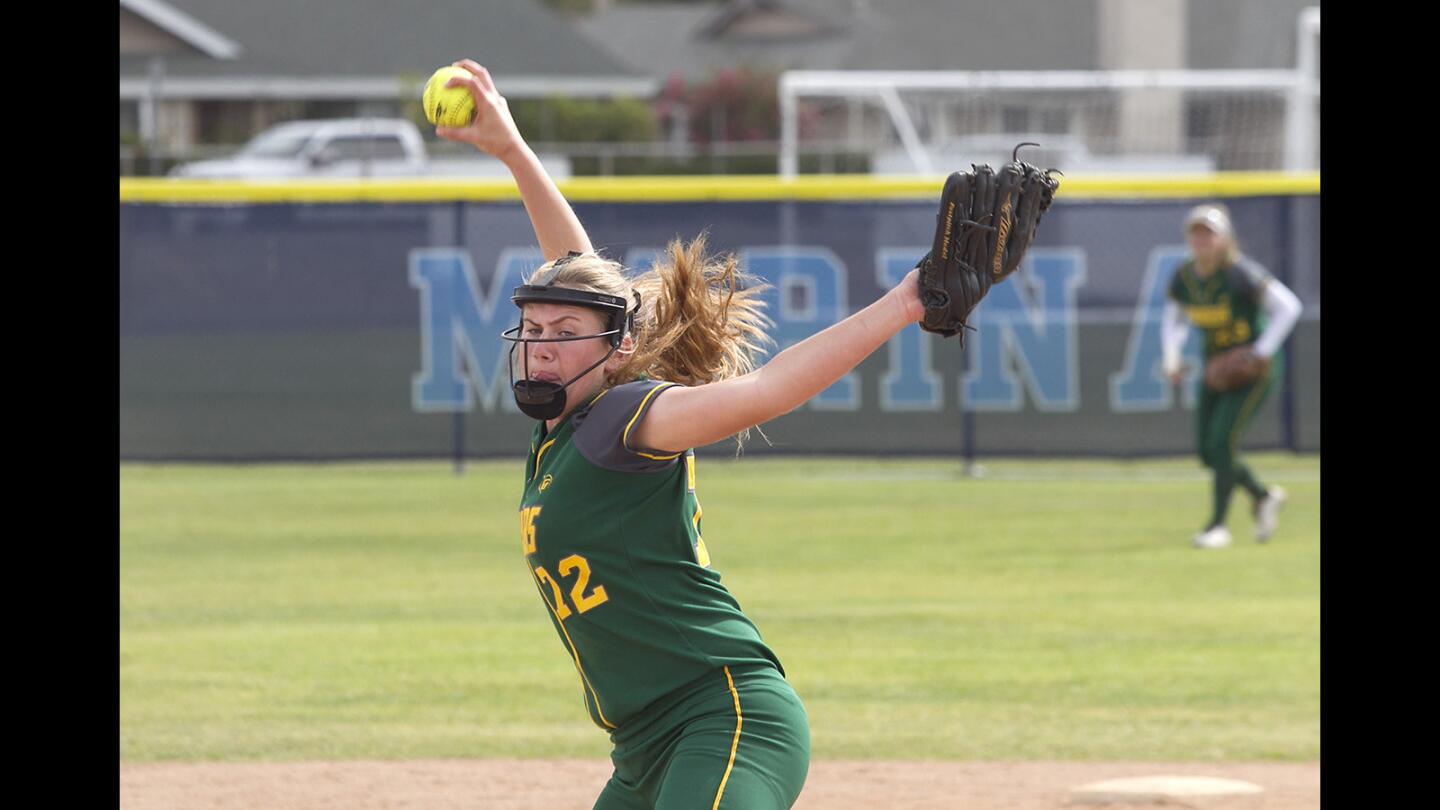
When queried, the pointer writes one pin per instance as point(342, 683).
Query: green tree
point(560, 119)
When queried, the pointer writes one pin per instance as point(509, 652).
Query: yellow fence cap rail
point(182, 191)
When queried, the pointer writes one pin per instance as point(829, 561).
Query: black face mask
point(541, 399)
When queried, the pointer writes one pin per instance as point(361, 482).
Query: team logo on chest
point(546, 481)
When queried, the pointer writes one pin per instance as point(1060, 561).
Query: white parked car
point(347, 147)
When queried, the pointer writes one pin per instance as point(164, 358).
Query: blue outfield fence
point(262, 323)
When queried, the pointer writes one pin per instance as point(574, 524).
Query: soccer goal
point(1105, 121)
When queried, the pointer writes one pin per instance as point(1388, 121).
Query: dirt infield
point(510, 784)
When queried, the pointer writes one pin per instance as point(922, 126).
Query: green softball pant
point(741, 743)
point(1222, 419)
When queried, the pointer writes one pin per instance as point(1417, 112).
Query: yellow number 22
point(578, 597)
point(582, 602)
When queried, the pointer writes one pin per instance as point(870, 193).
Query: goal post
point(1117, 120)
point(1099, 121)
point(1303, 112)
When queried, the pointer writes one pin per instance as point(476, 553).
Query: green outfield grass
point(1047, 610)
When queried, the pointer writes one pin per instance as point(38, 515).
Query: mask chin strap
point(542, 399)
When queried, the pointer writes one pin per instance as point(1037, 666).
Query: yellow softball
point(448, 107)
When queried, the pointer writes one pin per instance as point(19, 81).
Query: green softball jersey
point(1226, 307)
point(611, 534)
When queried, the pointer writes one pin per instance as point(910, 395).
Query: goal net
point(1119, 121)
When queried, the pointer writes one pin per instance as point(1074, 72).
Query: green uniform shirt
point(611, 534)
point(1226, 307)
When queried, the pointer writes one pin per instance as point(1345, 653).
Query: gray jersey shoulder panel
point(601, 429)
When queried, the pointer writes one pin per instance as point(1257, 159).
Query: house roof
point(381, 48)
point(184, 27)
point(1243, 33)
point(694, 39)
point(366, 47)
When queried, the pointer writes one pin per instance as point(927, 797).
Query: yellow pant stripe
point(734, 744)
point(1246, 411)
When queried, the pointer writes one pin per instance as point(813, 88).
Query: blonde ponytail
point(698, 322)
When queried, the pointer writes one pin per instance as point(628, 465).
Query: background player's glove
point(1235, 368)
point(987, 220)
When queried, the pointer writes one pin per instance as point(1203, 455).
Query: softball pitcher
point(1234, 302)
point(624, 377)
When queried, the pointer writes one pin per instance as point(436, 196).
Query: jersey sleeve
point(604, 433)
point(1174, 329)
point(1249, 278)
point(1283, 309)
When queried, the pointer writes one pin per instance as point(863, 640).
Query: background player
point(1234, 302)
point(623, 387)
